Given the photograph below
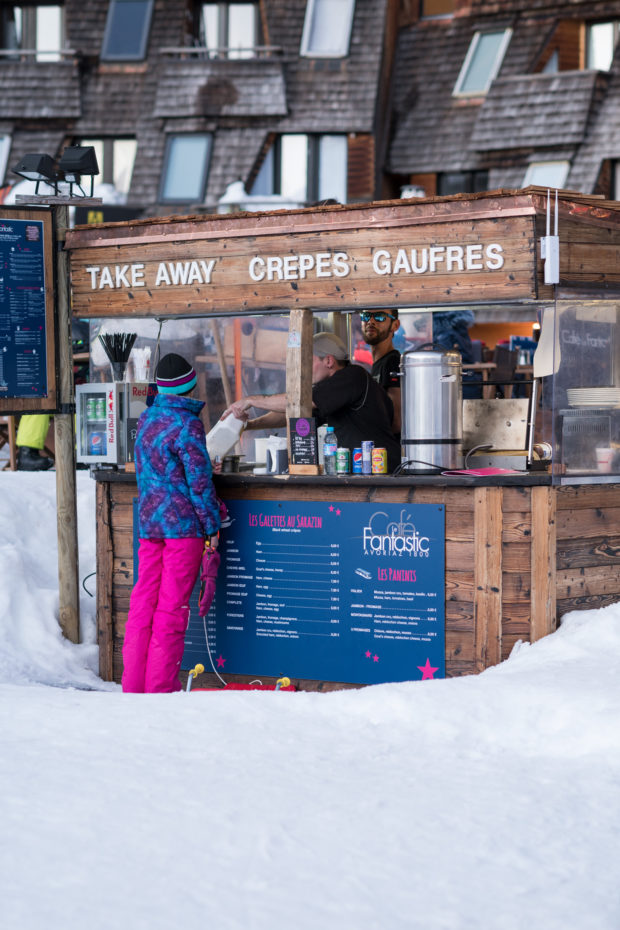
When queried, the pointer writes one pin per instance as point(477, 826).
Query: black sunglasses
point(377, 317)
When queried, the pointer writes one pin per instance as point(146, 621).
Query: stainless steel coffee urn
point(432, 409)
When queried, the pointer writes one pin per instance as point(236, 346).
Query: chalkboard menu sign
point(302, 432)
point(27, 359)
point(333, 591)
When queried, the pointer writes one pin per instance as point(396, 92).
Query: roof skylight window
point(482, 63)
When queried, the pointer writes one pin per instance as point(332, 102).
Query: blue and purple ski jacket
point(177, 499)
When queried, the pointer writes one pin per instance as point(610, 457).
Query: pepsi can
point(97, 443)
point(356, 463)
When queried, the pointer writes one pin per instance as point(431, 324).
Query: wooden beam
point(299, 374)
point(299, 364)
point(543, 582)
point(64, 452)
point(105, 562)
point(487, 577)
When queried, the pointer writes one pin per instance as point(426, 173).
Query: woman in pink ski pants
point(178, 511)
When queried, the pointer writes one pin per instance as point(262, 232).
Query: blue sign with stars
point(347, 592)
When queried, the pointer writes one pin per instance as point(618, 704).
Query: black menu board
point(302, 432)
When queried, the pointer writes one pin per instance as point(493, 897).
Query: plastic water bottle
point(330, 446)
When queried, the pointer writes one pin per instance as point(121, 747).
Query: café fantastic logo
point(387, 537)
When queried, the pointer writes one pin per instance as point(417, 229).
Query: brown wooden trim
point(488, 577)
point(543, 568)
point(105, 562)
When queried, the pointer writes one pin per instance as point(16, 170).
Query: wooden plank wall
point(588, 547)
point(517, 559)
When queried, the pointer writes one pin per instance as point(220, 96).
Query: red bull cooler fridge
point(107, 417)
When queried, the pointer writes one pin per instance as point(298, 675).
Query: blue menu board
point(23, 337)
point(333, 591)
point(330, 591)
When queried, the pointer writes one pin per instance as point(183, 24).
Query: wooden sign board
point(338, 259)
point(28, 362)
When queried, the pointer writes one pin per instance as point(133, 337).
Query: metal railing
point(224, 53)
point(49, 55)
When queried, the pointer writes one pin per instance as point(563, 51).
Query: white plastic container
point(222, 438)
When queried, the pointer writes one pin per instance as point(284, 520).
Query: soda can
point(343, 461)
point(379, 461)
point(101, 408)
point(91, 408)
point(356, 463)
point(367, 448)
point(97, 443)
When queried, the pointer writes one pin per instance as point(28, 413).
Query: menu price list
point(23, 366)
point(333, 591)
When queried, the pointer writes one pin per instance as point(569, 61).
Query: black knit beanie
point(174, 375)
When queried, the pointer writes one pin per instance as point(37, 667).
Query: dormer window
point(482, 63)
point(305, 168)
point(546, 173)
point(127, 30)
point(601, 40)
point(229, 30)
point(186, 166)
point(327, 28)
point(35, 28)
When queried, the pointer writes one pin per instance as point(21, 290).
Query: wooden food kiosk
point(518, 550)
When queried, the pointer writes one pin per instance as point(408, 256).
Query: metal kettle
point(432, 409)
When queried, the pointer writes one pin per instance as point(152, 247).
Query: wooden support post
point(105, 563)
point(12, 443)
point(299, 374)
point(64, 450)
point(487, 577)
point(543, 582)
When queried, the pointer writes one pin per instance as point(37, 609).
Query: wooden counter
point(519, 553)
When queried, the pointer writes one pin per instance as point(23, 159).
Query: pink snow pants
point(159, 614)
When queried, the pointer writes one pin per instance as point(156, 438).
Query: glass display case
point(586, 392)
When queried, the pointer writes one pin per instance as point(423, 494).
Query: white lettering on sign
point(175, 273)
point(432, 259)
point(170, 273)
point(474, 257)
point(297, 267)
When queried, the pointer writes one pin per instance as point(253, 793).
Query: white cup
point(603, 459)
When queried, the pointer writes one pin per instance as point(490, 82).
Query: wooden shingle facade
point(551, 102)
point(181, 87)
point(396, 94)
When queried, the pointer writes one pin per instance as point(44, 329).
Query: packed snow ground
point(481, 803)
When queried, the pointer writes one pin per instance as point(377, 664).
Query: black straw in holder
point(118, 348)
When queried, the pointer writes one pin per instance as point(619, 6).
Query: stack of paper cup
point(603, 459)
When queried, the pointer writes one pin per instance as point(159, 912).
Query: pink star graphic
point(331, 506)
point(368, 653)
point(338, 512)
point(375, 658)
point(221, 662)
point(427, 670)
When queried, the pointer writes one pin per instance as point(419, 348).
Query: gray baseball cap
point(329, 344)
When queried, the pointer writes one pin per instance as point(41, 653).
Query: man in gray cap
point(343, 395)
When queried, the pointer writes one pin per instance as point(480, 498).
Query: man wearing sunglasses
point(378, 327)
